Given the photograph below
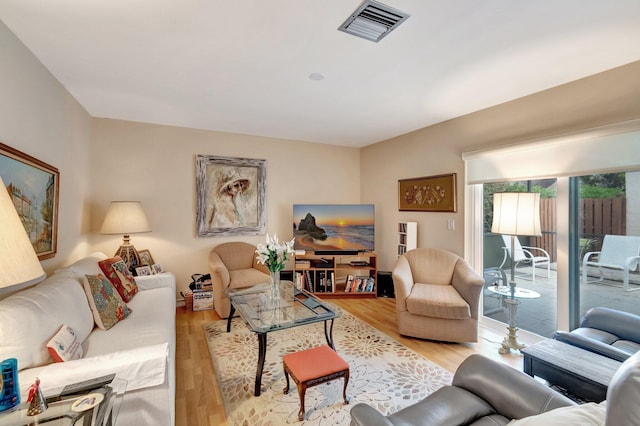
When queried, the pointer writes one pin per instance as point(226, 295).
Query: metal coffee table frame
point(263, 315)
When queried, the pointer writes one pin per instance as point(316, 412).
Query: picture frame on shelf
point(143, 271)
point(230, 196)
point(428, 194)
point(156, 268)
point(145, 257)
point(33, 186)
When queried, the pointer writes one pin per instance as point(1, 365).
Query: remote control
point(87, 385)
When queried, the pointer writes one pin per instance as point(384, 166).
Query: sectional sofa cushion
point(105, 302)
point(116, 271)
point(31, 317)
point(85, 266)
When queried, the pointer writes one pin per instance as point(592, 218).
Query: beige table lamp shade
point(19, 264)
point(126, 217)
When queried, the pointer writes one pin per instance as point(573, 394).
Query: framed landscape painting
point(428, 194)
point(230, 196)
point(33, 186)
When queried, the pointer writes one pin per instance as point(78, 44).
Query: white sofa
point(139, 349)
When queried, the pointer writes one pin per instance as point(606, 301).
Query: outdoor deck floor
point(539, 315)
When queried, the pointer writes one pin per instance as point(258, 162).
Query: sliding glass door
point(596, 195)
point(607, 233)
point(603, 208)
point(537, 311)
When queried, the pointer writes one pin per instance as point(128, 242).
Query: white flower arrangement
point(274, 255)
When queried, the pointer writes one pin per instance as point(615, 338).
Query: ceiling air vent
point(373, 21)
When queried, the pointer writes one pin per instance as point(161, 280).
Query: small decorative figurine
point(37, 404)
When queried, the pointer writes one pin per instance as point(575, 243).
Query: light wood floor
point(198, 399)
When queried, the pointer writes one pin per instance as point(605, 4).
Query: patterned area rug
point(383, 373)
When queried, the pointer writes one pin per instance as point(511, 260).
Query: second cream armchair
point(437, 296)
point(233, 265)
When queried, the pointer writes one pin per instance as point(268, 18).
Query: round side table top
point(520, 293)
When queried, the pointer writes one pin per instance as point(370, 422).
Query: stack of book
point(315, 281)
point(355, 284)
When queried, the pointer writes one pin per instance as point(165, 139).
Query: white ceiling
point(243, 66)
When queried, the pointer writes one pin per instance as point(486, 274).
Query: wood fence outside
point(602, 216)
point(598, 217)
point(548, 225)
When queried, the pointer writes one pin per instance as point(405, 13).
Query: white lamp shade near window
point(19, 264)
point(125, 217)
point(516, 213)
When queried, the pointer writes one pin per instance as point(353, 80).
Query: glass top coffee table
point(263, 315)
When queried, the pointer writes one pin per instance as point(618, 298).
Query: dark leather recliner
point(489, 393)
point(483, 391)
point(609, 332)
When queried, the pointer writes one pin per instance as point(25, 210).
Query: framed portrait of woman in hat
point(230, 196)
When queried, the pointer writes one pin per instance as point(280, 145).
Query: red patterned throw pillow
point(105, 302)
point(116, 271)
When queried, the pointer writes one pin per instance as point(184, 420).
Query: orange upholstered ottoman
point(312, 367)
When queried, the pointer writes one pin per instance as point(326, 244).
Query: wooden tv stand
point(331, 275)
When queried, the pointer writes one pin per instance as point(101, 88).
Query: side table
point(511, 300)
point(582, 373)
point(60, 413)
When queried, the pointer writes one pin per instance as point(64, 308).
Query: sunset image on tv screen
point(334, 227)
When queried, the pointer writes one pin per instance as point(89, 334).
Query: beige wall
point(40, 118)
point(156, 165)
point(605, 98)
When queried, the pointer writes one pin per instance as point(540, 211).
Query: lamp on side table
point(126, 217)
point(515, 213)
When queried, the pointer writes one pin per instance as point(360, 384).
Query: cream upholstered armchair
point(233, 265)
point(437, 296)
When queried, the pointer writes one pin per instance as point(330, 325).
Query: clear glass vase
point(275, 285)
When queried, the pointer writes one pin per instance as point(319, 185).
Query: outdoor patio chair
point(525, 255)
point(619, 252)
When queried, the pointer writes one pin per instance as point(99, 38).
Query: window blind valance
point(610, 148)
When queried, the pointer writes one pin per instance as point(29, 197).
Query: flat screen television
point(334, 228)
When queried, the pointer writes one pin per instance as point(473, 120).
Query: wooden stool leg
point(344, 391)
point(286, 376)
point(302, 390)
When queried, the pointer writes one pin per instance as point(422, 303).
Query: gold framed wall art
point(33, 186)
point(428, 194)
